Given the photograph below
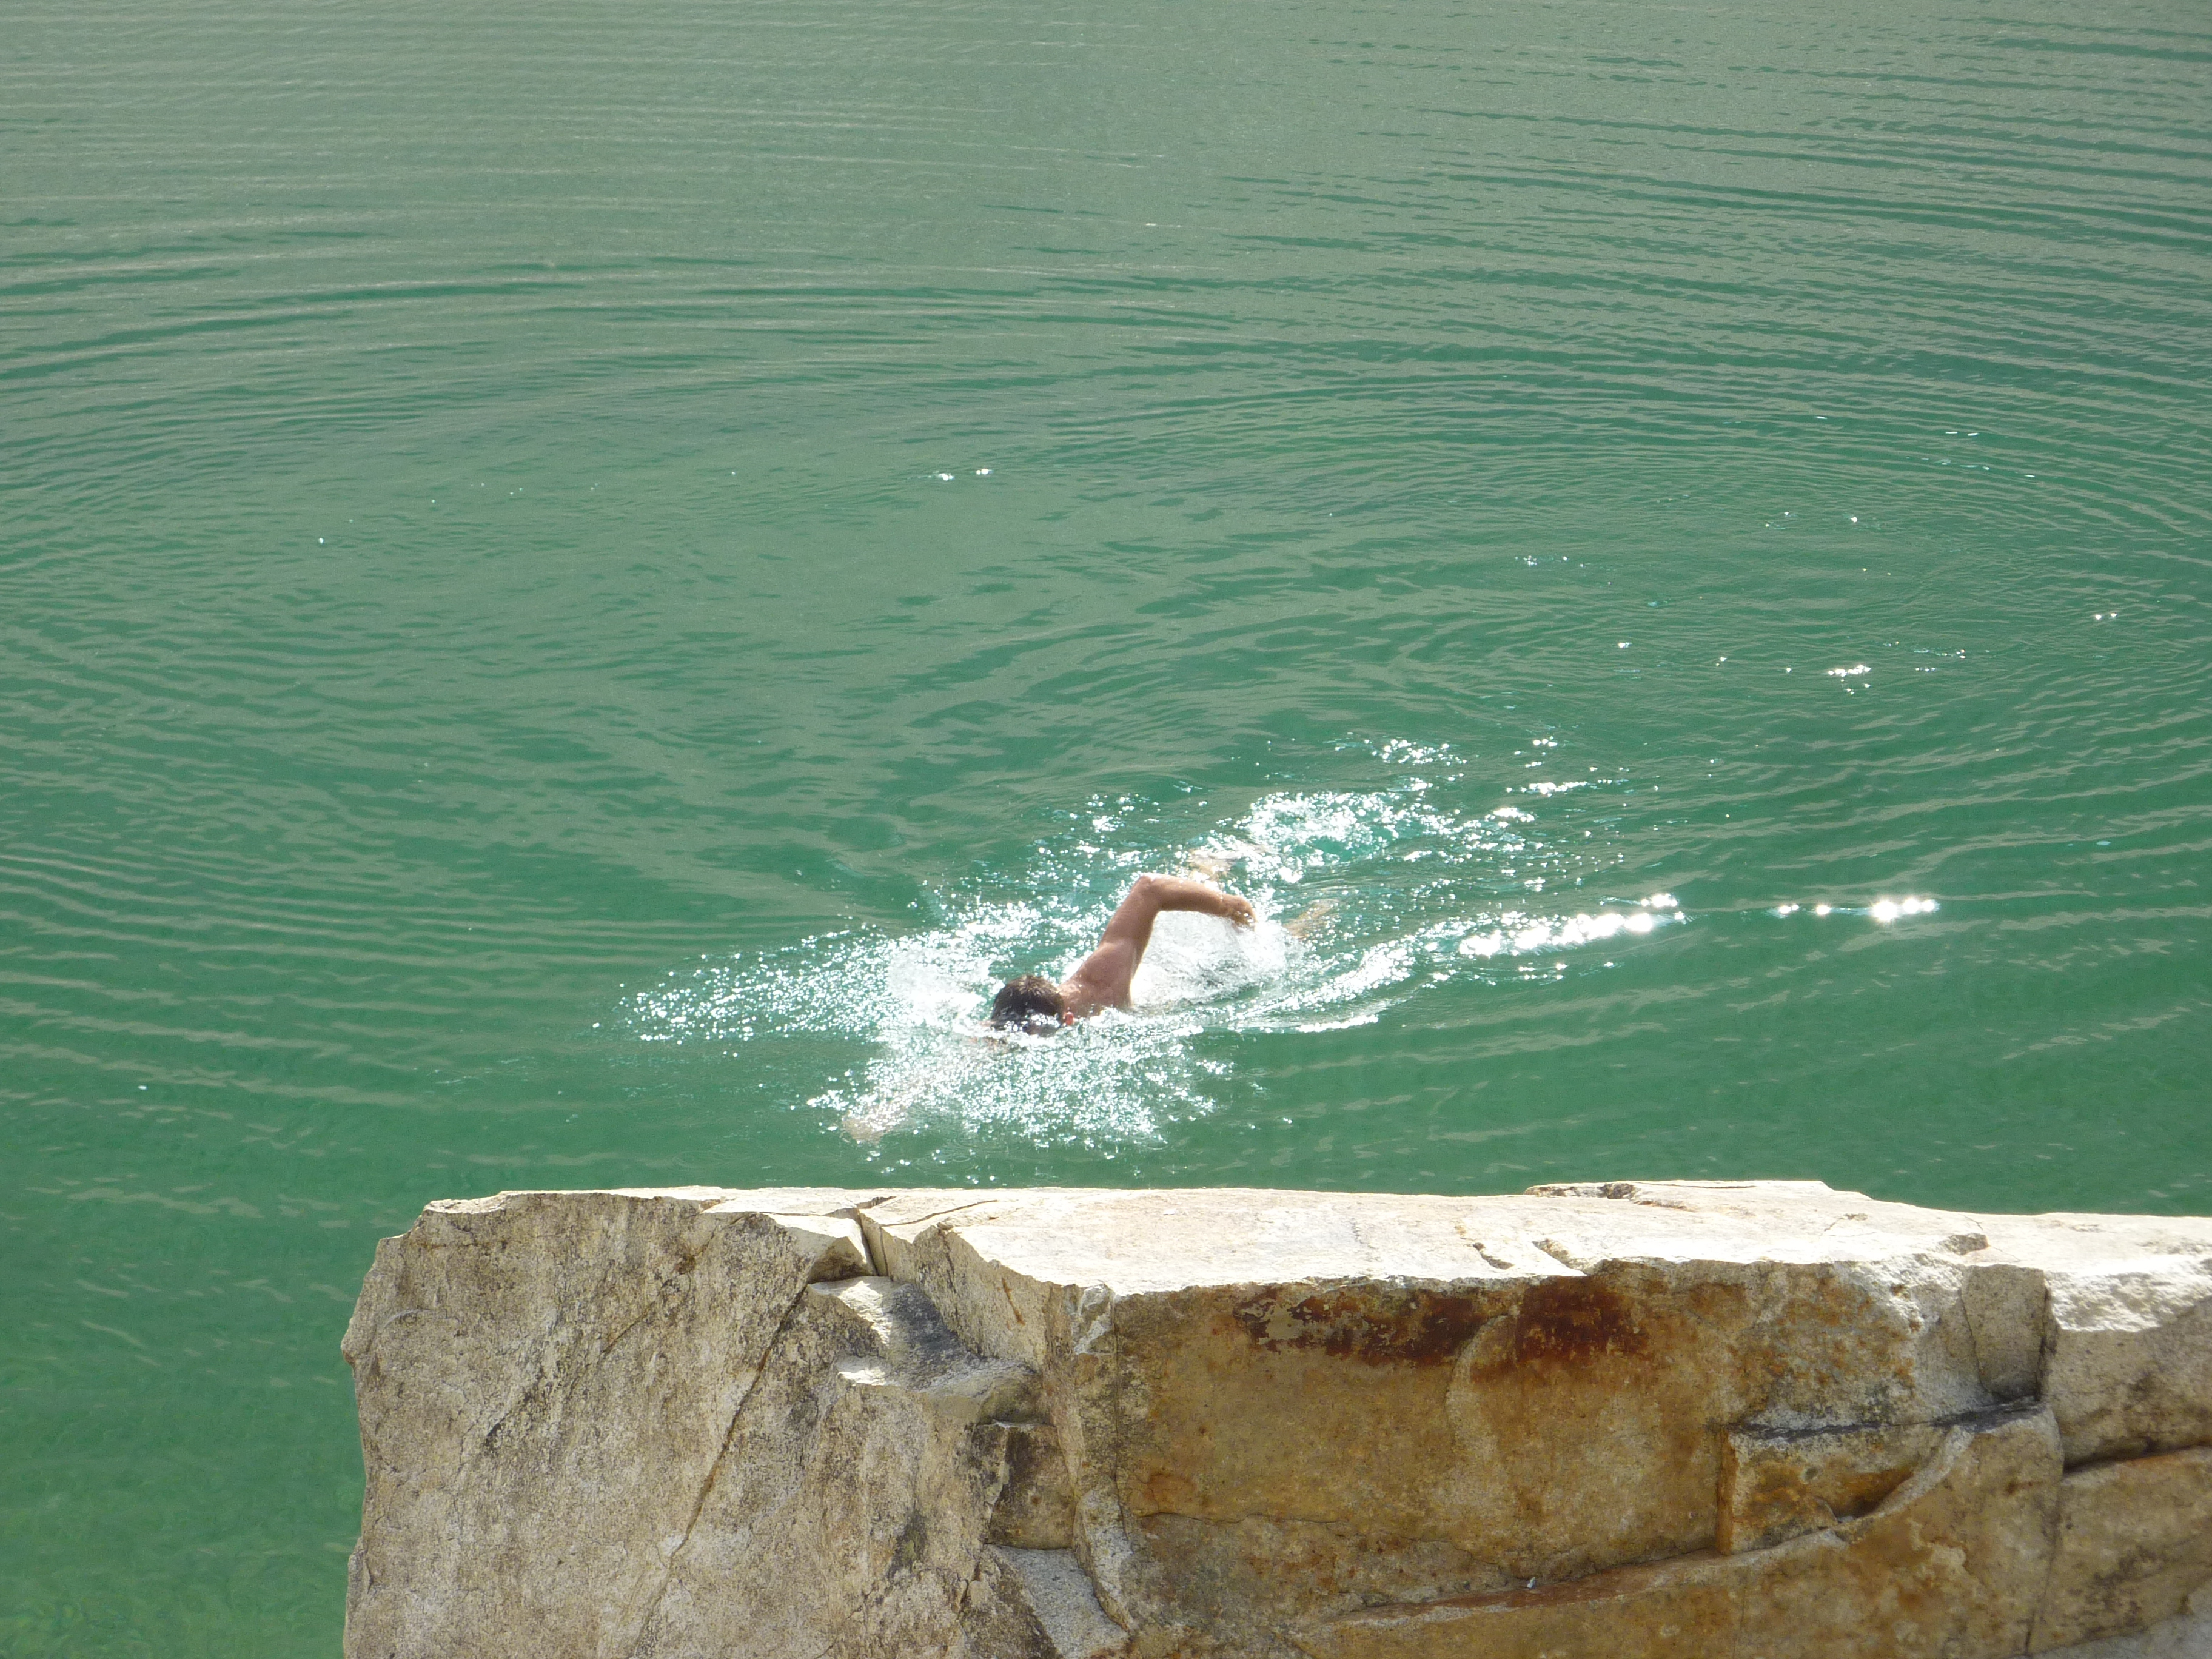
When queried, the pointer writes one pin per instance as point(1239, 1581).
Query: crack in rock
point(713, 1473)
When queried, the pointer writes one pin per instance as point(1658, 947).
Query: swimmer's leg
point(1214, 861)
point(866, 1128)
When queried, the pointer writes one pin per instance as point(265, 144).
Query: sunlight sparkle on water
point(1883, 910)
point(1888, 910)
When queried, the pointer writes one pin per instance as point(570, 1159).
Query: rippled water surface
point(577, 583)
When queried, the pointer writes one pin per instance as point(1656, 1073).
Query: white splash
point(1364, 899)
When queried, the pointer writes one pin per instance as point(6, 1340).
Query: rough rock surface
point(1740, 1420)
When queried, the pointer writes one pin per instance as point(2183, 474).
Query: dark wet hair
point(1031, 1002)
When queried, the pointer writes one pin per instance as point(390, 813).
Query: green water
point(575, 581)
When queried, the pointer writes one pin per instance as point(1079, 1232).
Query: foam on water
point(1366, 899)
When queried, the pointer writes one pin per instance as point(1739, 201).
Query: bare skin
point(1102, 979)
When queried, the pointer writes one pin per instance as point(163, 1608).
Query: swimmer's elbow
point(1146, 894)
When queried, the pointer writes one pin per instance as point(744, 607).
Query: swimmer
point(1101, 981)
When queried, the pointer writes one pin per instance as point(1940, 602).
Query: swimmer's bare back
point(1103, 980)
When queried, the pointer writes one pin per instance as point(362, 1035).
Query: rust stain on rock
point(1166, 1491)
point(1371, 1324)
point(1572, 1321)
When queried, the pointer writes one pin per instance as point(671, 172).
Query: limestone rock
point(2127, 1332)
point(545, 1383)
point(1485, 1390)
point(1760, 1419)
point(1951, 1565)
point(2189, 1636)
point(850, 1514)
point(1064, 1606)
point(2135, 1540)
point(1777, 1484)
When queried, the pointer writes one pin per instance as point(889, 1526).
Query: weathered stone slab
point(1760, 1419)
point(2135, 1541)
point(1951, 1565)
point(2187, 1637)
point(850, 1512)
point(1778, 1484)
point(2128, 1330)
point(1066, 1607)
point(1486, 1390)
point(545, 1383)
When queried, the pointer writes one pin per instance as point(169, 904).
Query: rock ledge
point(1626, 1420)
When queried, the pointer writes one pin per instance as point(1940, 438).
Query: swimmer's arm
point(1178, 893)
point(1103, 980)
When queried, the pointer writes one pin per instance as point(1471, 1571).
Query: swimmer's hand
point(1238, 910)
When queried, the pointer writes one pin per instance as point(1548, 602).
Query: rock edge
point(1753, 1420)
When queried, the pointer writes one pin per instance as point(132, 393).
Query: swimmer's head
point(1031, 1003)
